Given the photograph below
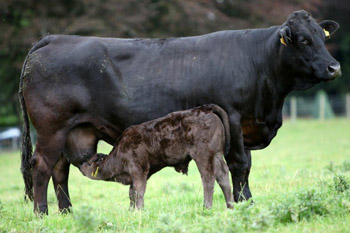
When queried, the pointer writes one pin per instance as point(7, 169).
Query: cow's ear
point(286, 35)
point(329, 27)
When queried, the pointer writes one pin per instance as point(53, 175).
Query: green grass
point(300, 183)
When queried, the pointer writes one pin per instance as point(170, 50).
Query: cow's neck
point(272, 83)
point(268, 63)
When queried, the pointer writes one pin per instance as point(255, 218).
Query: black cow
point(79, 90)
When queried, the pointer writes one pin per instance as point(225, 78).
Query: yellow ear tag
point(326, 33)
point(283, 41)
point(94, 174)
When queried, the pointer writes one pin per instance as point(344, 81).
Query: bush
point(168, 223)
point(345, 166)
point(85, 219)
point(1, 208)
point(341, 184)
point(304, 205)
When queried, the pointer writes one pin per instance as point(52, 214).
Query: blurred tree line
point(23, 22)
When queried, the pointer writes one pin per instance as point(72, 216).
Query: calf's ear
point(329, 27)
point(286, 35)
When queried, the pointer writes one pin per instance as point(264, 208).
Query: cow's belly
point(258, 135)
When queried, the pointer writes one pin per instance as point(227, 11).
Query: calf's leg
point(132, 197)
point(222, 177)
point(206, 169)
point(138, 191)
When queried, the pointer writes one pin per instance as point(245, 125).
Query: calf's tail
point(26, 143)
point(225, 120)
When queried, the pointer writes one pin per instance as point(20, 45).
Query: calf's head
point(303, 50)
point(91, 167)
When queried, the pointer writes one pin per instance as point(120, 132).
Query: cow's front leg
point(241, 190)
point(239, 162)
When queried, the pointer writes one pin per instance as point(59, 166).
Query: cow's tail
point(225, 120)
point(26, 143)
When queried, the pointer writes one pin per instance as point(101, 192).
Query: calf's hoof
point(229, 205)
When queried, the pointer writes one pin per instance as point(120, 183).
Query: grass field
point(300, 183)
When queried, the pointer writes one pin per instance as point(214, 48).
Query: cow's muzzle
point(333, 71)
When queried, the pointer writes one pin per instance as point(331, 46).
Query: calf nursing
point(200, 134)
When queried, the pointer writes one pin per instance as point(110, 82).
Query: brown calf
point(174, 140)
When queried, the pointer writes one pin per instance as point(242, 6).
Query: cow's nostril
point(334, 70)
point(330, 69)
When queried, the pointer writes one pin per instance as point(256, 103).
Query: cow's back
point(123, 81)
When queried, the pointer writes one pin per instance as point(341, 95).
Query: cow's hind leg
point(222, 177)
point(47, 152)
point(60, 182)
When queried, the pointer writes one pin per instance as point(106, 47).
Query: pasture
point(300, 183)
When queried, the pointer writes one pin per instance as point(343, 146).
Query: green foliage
point(330, 167)
point(105, 225)
point(185, 187)
point(9, 120)
point(302, 205)
point(170, 188)
point(169, 223)
point(85, 219)
point(344, 167)
point(341, 183)
point(1, 208)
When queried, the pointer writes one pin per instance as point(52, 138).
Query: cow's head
point(304, 52)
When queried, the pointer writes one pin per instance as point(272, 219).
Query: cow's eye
point(304, 42)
